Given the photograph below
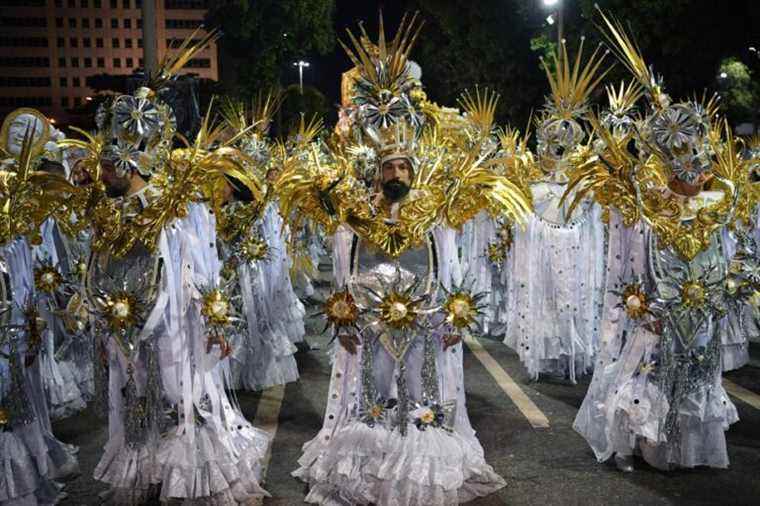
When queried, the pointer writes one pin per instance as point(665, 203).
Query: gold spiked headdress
point(382, 88)
point(572, 84)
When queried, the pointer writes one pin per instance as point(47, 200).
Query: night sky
point(743, 16)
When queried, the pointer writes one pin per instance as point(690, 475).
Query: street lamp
point(301, 65)
point(556, 6)
point(723, 75)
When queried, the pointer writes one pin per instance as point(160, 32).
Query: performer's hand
point(655, 327)
point(349, 342)
point(222, 342)
point(451, 340)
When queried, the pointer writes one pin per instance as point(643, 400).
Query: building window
point(126, 4)
point(72, 22)
point(60, 42)
point(99, 42)
point(87, 62)
point(24, 61)
point(101, 63)
point(130, 63)
point(77, 101)
point(117, 63)
point(86, 42)
point(183, 24)
point(127, 23)
point(114, 23)
point(128, 43)
point(97, 4)
point(85, 22)
point(139, 43)
point(73, 42)
point(59, 22)
point(98, 23)
point(24, 82)
point(62, 62)
point(185, 4)
point(59, 3)
point(140, 62)
point(76, 82)
point(63, 82)
point(64, 101)
point(23, 42)
point(72, 4)
point(85, 4)
point(139, 23)
point(115, 43)
point(23, 22)
point(75, 62)
point(114, 4)
point(199, 63)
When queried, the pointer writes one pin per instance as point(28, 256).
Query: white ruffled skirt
point(624, 412)
point(372, 465)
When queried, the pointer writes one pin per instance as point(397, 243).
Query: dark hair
point(52, 166)
point(239, 190)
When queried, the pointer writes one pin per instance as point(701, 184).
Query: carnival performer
point(262, 354)
point(396, 429)
point(657, 390)
point(161, 313)
point(555, 269)
point(32, 458)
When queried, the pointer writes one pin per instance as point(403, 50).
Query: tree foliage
point(739, 94)
point(262, 37)
point(488, 43)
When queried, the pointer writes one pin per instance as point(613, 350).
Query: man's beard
point(395, 190)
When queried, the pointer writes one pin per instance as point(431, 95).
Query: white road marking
point(267, 417)
point(535, 416)
point(742, 393)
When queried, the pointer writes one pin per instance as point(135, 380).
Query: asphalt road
point(550, 466)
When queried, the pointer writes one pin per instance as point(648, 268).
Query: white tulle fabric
point(555, 276)
point(287, 309)
point(351, 463)
point(31, 458)
point(212, 455)
point(263, 353)
point(479, 272)
point(624, 410)
point(60, 380)
point(737, 325)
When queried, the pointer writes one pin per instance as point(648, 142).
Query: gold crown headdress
point(571, 85)
point(394, 142)
point(623, 98)
point(480, 108)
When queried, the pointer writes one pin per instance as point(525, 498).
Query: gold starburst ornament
point(461, 310)
point(47, 278)
point(216, 307)
point(341, 309)
point(121, 310)
point(635, 301)
point(399, 311)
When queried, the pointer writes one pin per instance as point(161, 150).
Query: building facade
point(48, 48)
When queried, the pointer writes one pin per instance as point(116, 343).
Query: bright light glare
point(550, 19)
point(550, 3)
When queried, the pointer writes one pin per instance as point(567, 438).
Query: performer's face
point(116, 185)
point(397, 179)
